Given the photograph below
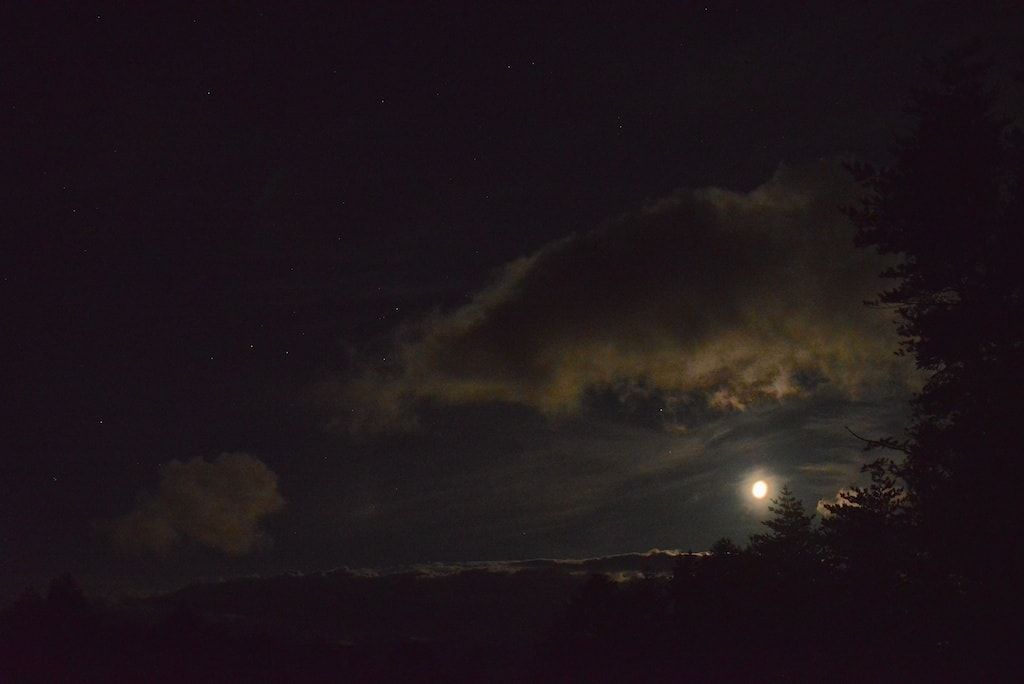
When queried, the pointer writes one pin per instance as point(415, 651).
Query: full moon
point(760, 489)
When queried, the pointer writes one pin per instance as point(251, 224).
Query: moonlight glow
point(760, 489)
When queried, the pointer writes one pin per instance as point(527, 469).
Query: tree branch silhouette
point(883, 443)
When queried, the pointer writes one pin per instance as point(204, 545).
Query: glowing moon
point(760, 489)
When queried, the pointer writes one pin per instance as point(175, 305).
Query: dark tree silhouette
point(725, 546)
point(868, 530)
point(950, 210)
point(792, 537)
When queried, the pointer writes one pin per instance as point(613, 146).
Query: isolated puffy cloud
point(215, 504)
point(721, 296)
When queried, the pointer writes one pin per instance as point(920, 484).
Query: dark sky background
point(340, 285)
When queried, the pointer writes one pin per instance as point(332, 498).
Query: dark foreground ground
point(533, 621)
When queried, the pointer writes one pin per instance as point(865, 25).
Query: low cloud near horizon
point(710, 299)
point(216, 504)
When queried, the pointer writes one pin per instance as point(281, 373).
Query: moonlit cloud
point(215, 504)
point(710, 297)
point(842, 498)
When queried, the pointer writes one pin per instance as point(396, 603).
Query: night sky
point(304, 288)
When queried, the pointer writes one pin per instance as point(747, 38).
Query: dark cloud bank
point(710, 298)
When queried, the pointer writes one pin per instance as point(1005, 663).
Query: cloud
point(710, 297)
point(215, 504)
point(842, 498)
